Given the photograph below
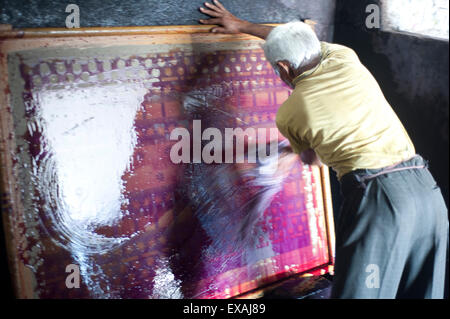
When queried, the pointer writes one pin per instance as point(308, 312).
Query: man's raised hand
point(227, 23)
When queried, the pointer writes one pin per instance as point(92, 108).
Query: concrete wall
point(47, 13)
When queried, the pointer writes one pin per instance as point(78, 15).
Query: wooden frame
point(15, 40)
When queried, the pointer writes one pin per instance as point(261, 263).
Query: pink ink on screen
point(100, 191)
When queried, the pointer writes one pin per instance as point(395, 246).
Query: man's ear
point(285, 65)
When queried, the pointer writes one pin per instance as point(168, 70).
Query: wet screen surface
point(99, 190)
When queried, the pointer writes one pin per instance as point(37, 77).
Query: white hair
point(294, 42)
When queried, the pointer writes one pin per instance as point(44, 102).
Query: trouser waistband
point(359, 177)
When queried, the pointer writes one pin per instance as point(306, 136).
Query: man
point(392, 234)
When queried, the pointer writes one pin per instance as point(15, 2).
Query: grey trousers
point(391, 235)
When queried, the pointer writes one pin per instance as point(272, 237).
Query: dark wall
point(45, 13)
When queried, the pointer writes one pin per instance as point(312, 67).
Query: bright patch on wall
point(428, 18)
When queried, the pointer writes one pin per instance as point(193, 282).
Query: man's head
point(292, 48)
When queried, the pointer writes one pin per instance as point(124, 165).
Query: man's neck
point(311, 65)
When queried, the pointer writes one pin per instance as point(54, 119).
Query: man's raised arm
point(228, 23)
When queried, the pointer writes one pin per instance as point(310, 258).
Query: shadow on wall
point(46, 13)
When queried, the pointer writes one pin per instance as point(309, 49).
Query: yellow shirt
point(338, 109)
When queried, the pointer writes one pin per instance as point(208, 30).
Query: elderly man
point(392, 233)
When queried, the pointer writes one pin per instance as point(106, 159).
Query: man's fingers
point(210, 21)
point(213, 7)
point(219, 30)
point(217, 3)
point(210, 12)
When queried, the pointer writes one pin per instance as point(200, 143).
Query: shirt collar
point(311, 71)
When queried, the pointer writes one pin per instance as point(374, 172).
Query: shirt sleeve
point(297, 144)
point(341, 52)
